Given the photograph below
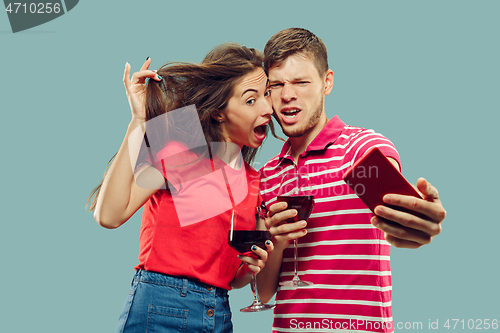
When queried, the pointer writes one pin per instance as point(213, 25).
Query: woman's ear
point(218, 117)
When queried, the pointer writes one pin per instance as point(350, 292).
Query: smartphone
point(373, 176)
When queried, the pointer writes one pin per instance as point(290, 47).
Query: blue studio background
point(423, 73)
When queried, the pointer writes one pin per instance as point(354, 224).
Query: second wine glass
point(295, 190)
point(244, 234)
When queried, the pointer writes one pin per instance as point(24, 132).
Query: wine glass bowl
point(303, 204)
point(243, 240)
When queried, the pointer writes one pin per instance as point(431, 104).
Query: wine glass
point(242, 236)
point(295, 190)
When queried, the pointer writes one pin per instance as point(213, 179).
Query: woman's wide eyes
point(251, 101)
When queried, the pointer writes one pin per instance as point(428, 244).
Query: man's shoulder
point(353, 134)
point(270, 165)
point(350, 130)
point(338, 132)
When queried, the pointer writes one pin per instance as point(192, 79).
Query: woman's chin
point(254, 145)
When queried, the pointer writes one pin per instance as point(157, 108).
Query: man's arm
point(411, 231)
point(282, 234)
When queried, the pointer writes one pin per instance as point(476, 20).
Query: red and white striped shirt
point(346, 258)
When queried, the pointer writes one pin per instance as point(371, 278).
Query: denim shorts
point(164, 303)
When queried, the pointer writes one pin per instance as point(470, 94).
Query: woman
point(186, 265)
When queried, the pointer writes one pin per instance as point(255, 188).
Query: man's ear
point(328, 82)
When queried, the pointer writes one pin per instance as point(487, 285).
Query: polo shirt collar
point(328, 135)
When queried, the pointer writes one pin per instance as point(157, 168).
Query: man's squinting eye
point(276, 85)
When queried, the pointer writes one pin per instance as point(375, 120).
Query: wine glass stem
point(296, 274)
point(255, 293)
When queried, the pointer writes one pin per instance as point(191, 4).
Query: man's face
point(297, 92)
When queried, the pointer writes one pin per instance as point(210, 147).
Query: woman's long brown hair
point(208, 85)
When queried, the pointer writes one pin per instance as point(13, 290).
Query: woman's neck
point(230, 154)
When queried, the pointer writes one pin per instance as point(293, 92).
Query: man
point(345, 249)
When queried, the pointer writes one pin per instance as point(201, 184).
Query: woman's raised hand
point(136, 88)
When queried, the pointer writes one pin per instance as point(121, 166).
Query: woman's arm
point(120, 197)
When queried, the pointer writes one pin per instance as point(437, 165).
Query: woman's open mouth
point(260, 131)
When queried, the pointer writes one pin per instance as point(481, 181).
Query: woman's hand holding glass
point(249, 236)
point(256, 264)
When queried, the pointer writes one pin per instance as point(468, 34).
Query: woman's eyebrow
point(248, 90)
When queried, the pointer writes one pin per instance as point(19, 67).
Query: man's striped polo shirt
point(346, 258)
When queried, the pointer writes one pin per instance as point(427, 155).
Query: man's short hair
point(292, 41)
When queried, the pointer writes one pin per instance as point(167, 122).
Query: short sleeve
point(175, 162)
point(365, 140)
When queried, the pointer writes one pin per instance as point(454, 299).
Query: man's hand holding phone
point(411, 231)
point(409, 216)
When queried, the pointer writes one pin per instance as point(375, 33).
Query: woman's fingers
point(137, 77)
point(260, 252)
point(254, 268)
point(141, 76)
point(256, 264)
point(269, 245)
point(126, 76)
point(146, 64)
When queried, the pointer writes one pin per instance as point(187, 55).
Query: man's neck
point(299, 144)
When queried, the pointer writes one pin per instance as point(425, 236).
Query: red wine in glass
point(243, 240)
point(304, 205)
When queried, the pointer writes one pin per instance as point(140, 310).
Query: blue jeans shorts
point(164, 303)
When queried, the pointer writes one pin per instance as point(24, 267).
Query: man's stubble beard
point(313, 120)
